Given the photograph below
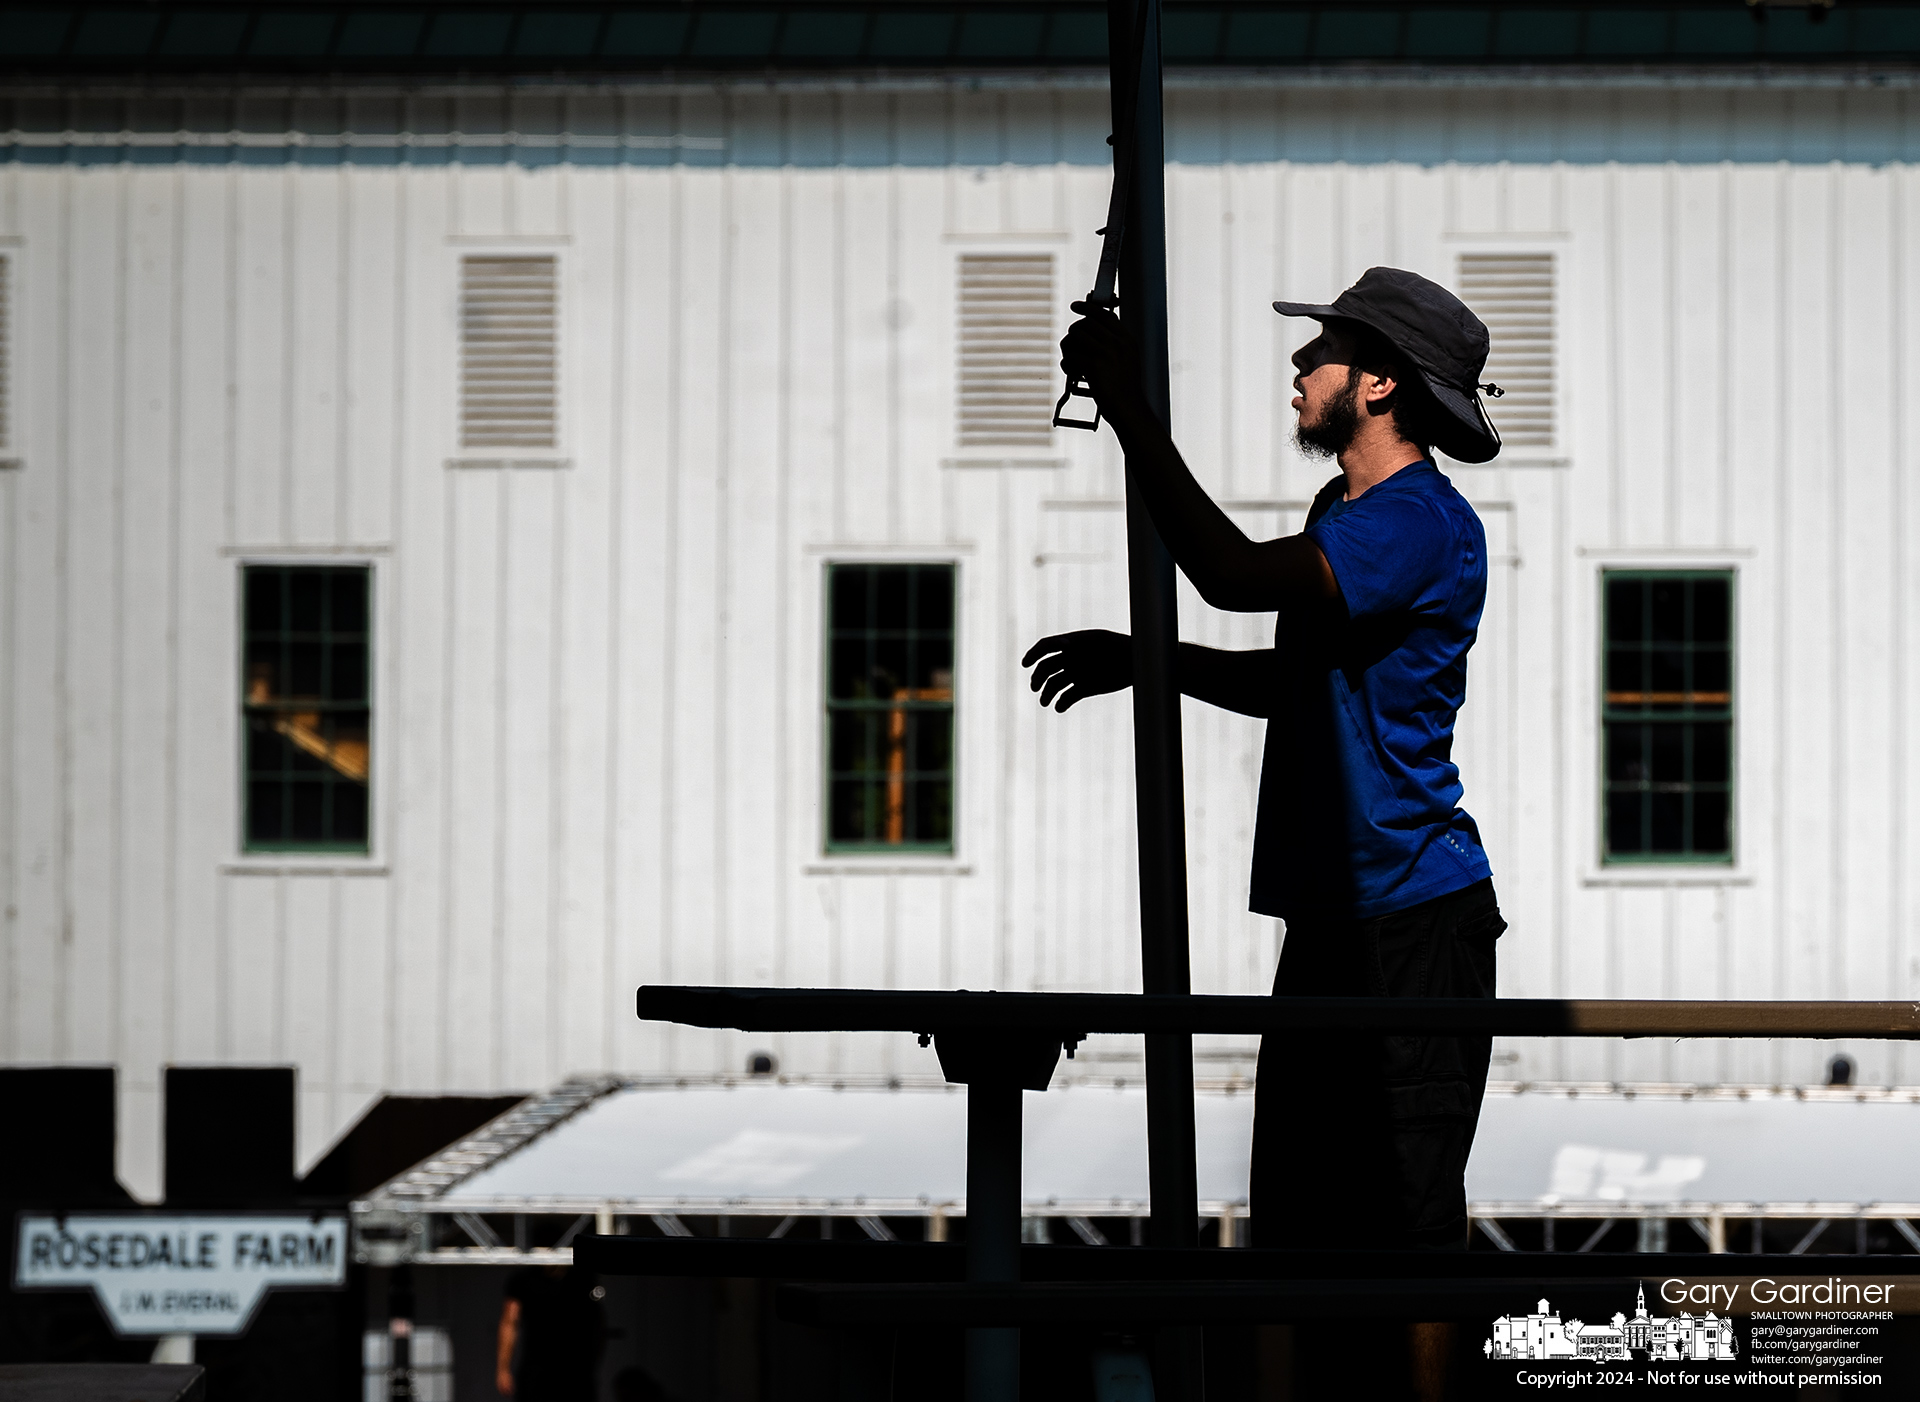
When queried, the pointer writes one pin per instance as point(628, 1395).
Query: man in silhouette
point(1360, 844)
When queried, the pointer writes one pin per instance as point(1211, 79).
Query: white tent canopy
point(765, 1147)
point(1602, 1152)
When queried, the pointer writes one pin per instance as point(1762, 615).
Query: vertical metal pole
point(993, 1227)
point(1159, 783)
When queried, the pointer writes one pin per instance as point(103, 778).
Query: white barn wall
point(597, 741)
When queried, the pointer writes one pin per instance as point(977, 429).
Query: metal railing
point(998, 1044)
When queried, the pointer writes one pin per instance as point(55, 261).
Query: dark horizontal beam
point(486, 37)
point(878, 1262)
point(1078, 1014)
point(1249, 1302)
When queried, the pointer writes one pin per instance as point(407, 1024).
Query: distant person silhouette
point(551, 1334)
point(1360, 843)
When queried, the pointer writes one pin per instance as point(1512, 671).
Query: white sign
point(158, 1274)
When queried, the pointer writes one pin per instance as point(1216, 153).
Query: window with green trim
point(1666, 716)
point(889, 708)
point(304, 707)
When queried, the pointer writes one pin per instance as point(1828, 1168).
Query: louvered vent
point(508, 345)
point(1513, 294)
point(1007, 351)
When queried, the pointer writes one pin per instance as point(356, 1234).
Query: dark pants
point(1361, 1140)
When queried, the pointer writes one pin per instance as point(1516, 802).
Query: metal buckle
point(1076, 389)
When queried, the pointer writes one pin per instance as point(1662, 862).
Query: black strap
point(1125, 155)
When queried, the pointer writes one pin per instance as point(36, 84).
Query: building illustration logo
point(1670, 1338)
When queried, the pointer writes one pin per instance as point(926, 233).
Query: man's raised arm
point(1230, 570)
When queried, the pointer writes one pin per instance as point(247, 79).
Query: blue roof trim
point(475, 36)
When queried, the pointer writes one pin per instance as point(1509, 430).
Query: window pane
point(263, 600)
point(933, 667)
point(347, 665)
point(1667, 678)
point(349, 601)
point(851, 815)
point(890, 586)
point(1667, 610)
point(933, 813)
point(308, 809)
point(934, 611)
point(1712, 674)
point(854, 744)
point(1627, 752)
point(1712, 611)
point(262, 663)
point(1625, 600)
point(848, 607)
point(1625, 673)
point(307, 593)
point(848, 669)
point(1624, 829)
point(932, 733)
point(1669, 764)
point(350, 812)
point(890, 670)
point(264, 818)
point(889, 705)
point(1711, 831)
point(266, 751)
point(1669, 812)
point(1668, 654)
point(349, 735)
point(1710, 757)
point(301, 758)
point(306, 731)
point(303, 669)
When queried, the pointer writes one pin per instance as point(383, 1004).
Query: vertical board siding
point(474, 720)
point(597, 727)
point(529, 659)
point(91, 993)
point(147, 772)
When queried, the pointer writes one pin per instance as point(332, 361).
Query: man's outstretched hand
point(1073, 666)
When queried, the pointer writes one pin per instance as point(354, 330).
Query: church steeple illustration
point(1638, 1333)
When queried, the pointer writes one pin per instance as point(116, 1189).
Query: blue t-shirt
point(1359, 796)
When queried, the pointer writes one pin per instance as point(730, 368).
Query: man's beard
point(1337, 427)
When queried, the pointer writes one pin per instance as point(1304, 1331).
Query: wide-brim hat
point(1443, 341)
